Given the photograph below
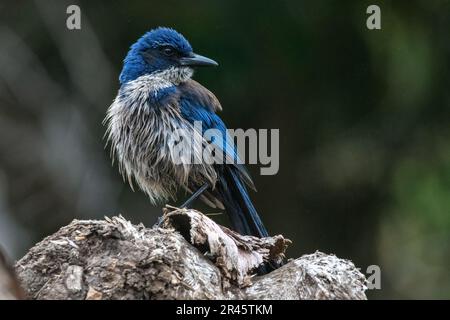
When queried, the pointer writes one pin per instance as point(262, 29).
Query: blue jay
point(156, 97)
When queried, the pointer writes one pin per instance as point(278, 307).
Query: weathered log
point(187, 257)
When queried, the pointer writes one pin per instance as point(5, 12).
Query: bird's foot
point(158, 222)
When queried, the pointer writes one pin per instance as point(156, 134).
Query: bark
point(187, 257)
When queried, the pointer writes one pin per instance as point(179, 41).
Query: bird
point(157, 96)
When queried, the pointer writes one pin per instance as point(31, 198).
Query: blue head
point(158, 50)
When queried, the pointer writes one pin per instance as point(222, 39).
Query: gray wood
point(188, 257)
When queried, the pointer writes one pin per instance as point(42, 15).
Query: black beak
point(196, 60)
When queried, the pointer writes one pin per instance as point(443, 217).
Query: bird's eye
point(168, 51)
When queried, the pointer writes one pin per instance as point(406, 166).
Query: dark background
point(363, 118)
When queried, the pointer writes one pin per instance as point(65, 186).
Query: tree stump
point(188, 256)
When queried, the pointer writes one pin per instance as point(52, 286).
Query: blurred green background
point(363, 116)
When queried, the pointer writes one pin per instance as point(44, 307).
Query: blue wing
point(198, 104)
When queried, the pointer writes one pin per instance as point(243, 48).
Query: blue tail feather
point(243, 215)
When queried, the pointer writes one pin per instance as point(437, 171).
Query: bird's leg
point(195, 195)
point(188, 202)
